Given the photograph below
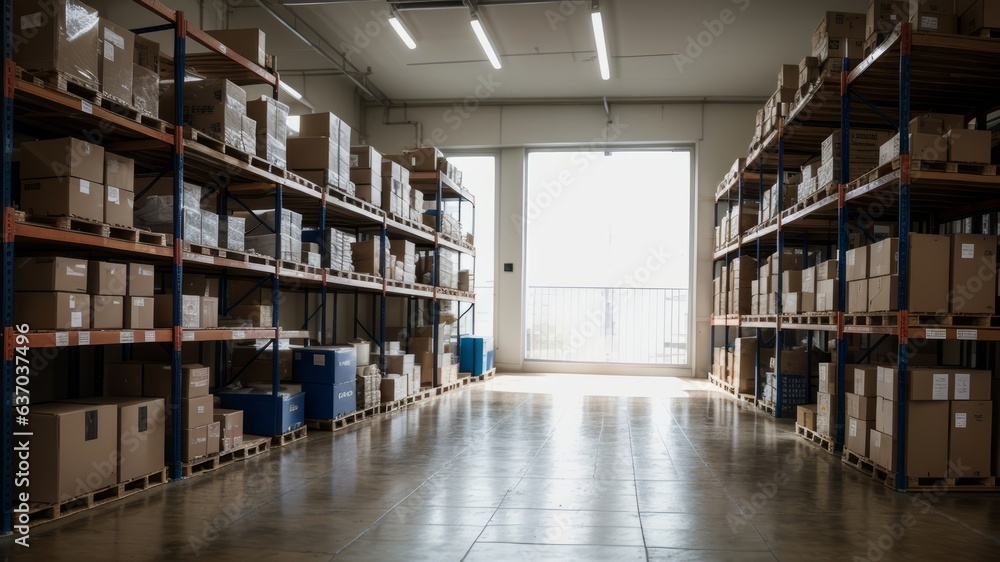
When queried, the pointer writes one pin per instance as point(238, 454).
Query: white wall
point(719, 132)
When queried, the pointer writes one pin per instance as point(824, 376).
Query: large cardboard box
point(163, 311)
point(806, 416)
point(826, 270)
point(744, 366)
point(58, 35)
point(194, 443)
point(272, 129)
point(884, 16)
point(195, 381)
point(123, 379)
point(114, 65)
point(106, 278)
point(865, 378)
point(927, 439)
point(393, 388)
point(63, 197)
point(973, 274)
point(119, 172)
point(882, 449)
point(861, 407)
point(250, 43)
point(138, 313)
point(857, 263)
point(146, 91)
point(61, 158)
point(885, 416)
point(230, 429)
point(981, 14)
point(886, 383)
point(923, 146)
point(141, 281)
point(971, 385)
point(146, 53)
point(141, 434)
point(213, 106)
point(968, 145)
point(970, 438)
point(929, 383)
point(73, 450)
point(827, 374)
point(827, 292)
point(107, 312)
point(857, 296)
point(928, 280)
point(330, 365)
point(50, 273)
point(857, 435)
point(52, 311)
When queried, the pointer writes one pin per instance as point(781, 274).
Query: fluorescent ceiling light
point(485, 42)
point(602, 45)
point(397, 24)
point(290, 90)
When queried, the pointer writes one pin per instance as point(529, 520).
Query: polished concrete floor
point(538, 468)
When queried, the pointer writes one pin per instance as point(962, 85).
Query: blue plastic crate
point(328, 402)
point(259, 415)
point(325, 365)
point(475, 354)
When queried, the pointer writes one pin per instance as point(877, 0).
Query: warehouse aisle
point(497, 473)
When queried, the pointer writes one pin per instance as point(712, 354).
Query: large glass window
point(608, 256)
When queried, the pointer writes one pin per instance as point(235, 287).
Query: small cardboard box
point(883, 258)
point(250, 43)
point(865, 379)
point(61, 197)
point(861, 407)
point(119, 172)
point(806, 416)
point(971, 254)
point(76, 438)
point(67, 275)
point(883, 293)
point(139, 313)
point(857, 435)
point(231, 429)
point(885, 416)
point(827, 373)
point(52, 311)
point(968, 145)
point(141, 281)
point(107, 312)
point(857, 296)
point(196, 412)
point(62, 158)
point(970, 438)
point(981, 14)
point(827, 292)
point(194, 443)
point(156, 381)
point(163, 311)
point(106, 278)
point(393, 388)
point(927, 439)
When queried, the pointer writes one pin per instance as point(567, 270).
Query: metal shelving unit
point(47, 113)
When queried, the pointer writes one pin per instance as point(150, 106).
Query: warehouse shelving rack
point(887, 86)
point(48, 112)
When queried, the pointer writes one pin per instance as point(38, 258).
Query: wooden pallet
point(290, 437)
point(916, 319)
point(863, 464)
point(748, 400)
point(104, 230)
point(44, 513)
point(200, 466)
point(815, 197)
point(351, 200)
point(69, 84)
point(915, 484)
point(812, 318)
point(249, 449)
point(343, 421)
point(760, 318)
point(212, 251)
point(812, 436)
point(138, 235)
point(482, 377)
point(215, 144)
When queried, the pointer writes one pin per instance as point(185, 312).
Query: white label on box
point(928, 22)
point(72, 272)
point(72, 301)
point(936, 334)
point(150, 335)
point(850, 258)
point(968, 251)
point(854, 428)
point(877, 439)
point(87, 108)
point(962, 386)
point(109, 51)
point(113, 196)
point(188, 336)
point(239, 335)
point(319, 360)
point(111, 37)
point(960, 421)
point(76, 320)
point(85, 187)
point(31, 21)
point(62, 339)
point(880, 376)
point(940, 387)
point(126, 337)
point(971, 335)
point(146, 271)
point(140, 302)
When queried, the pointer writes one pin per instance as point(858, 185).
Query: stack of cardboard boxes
point(403, 261)
point(864, 155)
point(367, 257)
point(327, 376)
point(47, 46)
point(339, 256)
point(261, 237)
point(119, 187)
point(230, 429)
point(146, 76)
point(217, 108)
point(810, 180)
point(114, 65)
point(767, 282)
point(63, 177)
point(402, 364)
point(271, 139)
point(368, 380)
point(839, 35)
point(321, 152)
point(883, 16)
point(199, 433)
point(366, 174)
point(940, 137)
point(396, 197)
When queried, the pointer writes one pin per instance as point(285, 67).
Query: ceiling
point(548, 51)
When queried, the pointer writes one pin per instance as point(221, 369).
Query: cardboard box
point(214, 106)
point(424, 159)
point(114, 64)
point(861, 407)
point(806, 416)
point(857, 436)
point(194, 443)
point(970, 439)
point(857, 264)
point(107, 312)
point(798, 303)
point(312, 153)
point(62, 158)
point(928, 280)
point(937, 124)
point(250, 43)
point(44, 273)
point(70, 441)
point(886, 384)
point(163, 311)
point(980, 14)
point(213, 444)
point(885, 416)
point(826, 270)
point(927, 439)
point(809, 280)
point(972, 290)
point(971, 385)
point(156, 381)
point(331, 365)
point(123, 379)
point(827, 295)
point(146, 91)
point(882, 449)
point(141, 282)
point(146, 53)
point(106, 278)
point(61, 197)
point(936, 23)
point(884, 16)
point(791, 281)
point(923, 146)
point(826, 424)
point(320, 125)
point(929, 383)
point(52, 311)
point(118, 207)
point(967, 145)
point(230, 427)
point(883, 258)
point(883, 293)
point(196, 412)
point(119, 172)
point(827, 374)
point(857, 296)
point(393, 388)
point(141, 434)
point(399, 364)
point(865, 378)
point(138, 313)
point(364, 156)
point(209, 313)
point(46, 45)
point(271, 117)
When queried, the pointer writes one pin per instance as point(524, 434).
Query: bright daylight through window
point(608, 256)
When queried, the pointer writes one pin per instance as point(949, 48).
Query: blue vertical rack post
point(842, 244)
point(906, 43)
point(180, 34)
point(324, 259)
point(436, 304)
point(778, 301)
point(7, 282)
point(383, 262)
point(760, 333)
point(276, 310)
